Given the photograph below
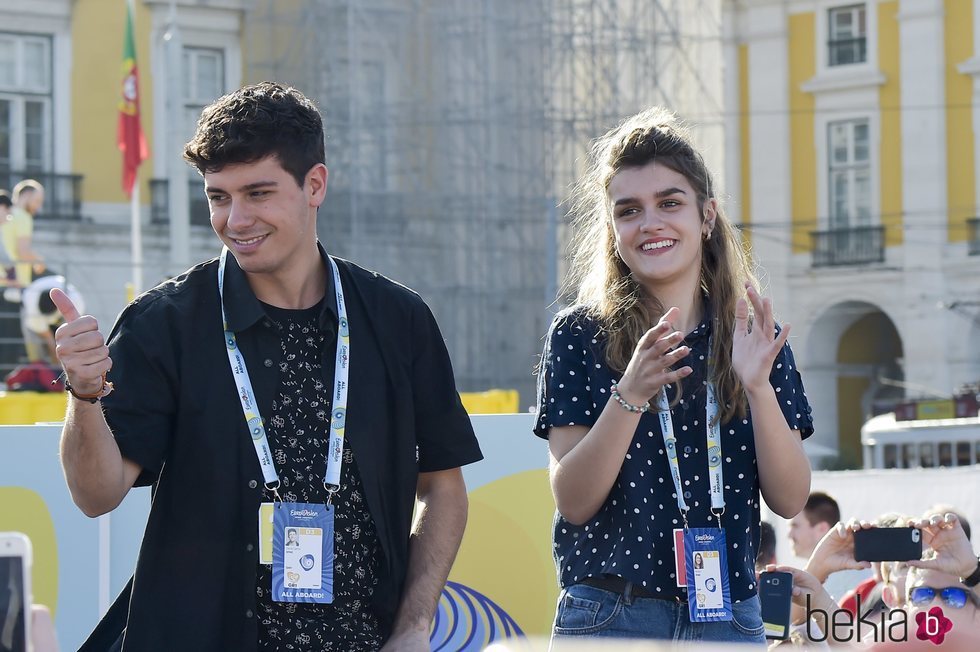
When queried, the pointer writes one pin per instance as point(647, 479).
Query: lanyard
point(715, 480)
point(256, 426)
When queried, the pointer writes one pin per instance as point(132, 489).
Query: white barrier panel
point(80, 564)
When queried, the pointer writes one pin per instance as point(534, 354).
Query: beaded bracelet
point(636, 409)
point(91, 398)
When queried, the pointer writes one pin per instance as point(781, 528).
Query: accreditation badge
point(706, 561)
point(302, 553)
point(266, 517)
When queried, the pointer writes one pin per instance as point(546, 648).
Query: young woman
point(662, 322)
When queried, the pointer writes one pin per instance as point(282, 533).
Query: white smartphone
point(15, 592)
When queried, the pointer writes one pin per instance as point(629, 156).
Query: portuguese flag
point(129, 136)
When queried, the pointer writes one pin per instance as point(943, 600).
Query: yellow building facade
point(859, 130)
point(60, 88)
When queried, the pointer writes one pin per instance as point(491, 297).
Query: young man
point(807, 528)
point(233, 382)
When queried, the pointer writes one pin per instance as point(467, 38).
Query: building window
point(890, 460)
point(849, 176)
point(973, 236)
point(204, 82)
point(910, 459)
point(25, 103)
point(963, 454)
point(848, 35)
point(945, 453)
point(927, 452)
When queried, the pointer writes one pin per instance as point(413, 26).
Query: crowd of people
point(931, 600)
point(325, 404)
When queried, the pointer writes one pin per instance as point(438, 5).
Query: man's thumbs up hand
point(80, 347)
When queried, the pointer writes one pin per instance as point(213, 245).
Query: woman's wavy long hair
point(602, 281)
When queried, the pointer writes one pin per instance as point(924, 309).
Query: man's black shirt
point(175, 412)
point(298, 430)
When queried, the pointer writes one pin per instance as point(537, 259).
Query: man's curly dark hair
point(255, 122)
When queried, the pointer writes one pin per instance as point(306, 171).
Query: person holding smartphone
point(948, 576)
point(951, 551)
point(667, 407)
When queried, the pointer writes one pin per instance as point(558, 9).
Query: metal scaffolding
point(455, 127)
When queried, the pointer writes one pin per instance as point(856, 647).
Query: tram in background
point(924, 434)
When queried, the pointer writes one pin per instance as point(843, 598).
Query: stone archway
point(855, 371)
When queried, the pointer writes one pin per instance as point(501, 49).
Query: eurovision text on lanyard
point(256, 425)
point(703, 550)
point(297, 539)
point(713, 427)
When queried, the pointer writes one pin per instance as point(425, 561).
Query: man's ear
point(316, 184)
point(889, 595)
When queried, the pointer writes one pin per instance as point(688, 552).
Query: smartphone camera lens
point(775, 581)
point(915, 536)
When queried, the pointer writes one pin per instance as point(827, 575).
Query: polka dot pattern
point(638, 516)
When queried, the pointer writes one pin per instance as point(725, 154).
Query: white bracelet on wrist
point(636, 409)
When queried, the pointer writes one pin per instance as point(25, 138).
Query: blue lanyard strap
point(341, 378)
point(256, 425)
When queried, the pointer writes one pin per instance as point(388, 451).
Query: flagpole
point(177, 186)
point(133, 146)
point(137, 238)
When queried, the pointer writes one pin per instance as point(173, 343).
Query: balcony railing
point(62, 192)
point(160, 202)
point(848, 50)
point(857, 246)
point(973, 231)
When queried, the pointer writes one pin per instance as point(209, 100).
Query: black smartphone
point(888, 544)
point(776, 596)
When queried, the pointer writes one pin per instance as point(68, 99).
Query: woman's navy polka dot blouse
point(631, 534)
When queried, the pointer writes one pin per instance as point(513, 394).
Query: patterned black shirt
point(298, 431)
point(630, 535)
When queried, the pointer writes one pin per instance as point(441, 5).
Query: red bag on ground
point(35, 377)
